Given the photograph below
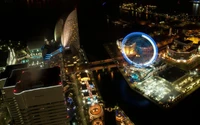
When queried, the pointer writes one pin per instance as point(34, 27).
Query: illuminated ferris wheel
point(139, 49)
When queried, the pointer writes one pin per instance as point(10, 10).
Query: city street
point(80, 109)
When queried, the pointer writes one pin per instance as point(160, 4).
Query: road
point(79, 101)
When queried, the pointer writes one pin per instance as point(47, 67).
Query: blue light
point(23, 61)
point(61, 49)
point(134, 76)
point(104, 4)
point(92, 86)
point(47, 56)
point(70, 100)
point(148, 38)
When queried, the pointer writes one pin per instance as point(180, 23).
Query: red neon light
point(14, 90)
point(60, 83)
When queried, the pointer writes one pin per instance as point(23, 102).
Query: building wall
point(12, 108)
point(42, 106)
point(180, 55)
point(70, 35)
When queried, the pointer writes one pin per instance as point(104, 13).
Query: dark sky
point(19, 23)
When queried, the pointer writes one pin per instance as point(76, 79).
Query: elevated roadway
point(94, 68)
point(105, 61)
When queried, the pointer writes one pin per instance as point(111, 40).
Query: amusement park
point(147, 71)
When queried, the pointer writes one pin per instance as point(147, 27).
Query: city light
point(149, 39)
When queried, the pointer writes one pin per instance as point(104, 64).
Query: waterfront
point(115, 90)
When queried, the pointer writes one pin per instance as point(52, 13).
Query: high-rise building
point(9, 95)
point(37, 98)
point(9, 77)
point(10, 68)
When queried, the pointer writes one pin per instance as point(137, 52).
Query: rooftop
point(172, 74)
point(182, 46)
point(191, 27)
point(38, 78)
point(160, 38)
point(15, 76)
point(10, 68)
point(183, 42)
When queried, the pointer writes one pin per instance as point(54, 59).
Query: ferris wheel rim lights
point(148, 38)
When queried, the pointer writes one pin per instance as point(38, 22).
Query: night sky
point(19, 23)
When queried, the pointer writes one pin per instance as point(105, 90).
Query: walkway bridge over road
point(110, 109)
point(81, 69)
point(96, 65)
point(105, 61)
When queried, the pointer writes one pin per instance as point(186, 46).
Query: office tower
point(9, 95)
point(38, 98)
point(10, 68)
point(10, 76)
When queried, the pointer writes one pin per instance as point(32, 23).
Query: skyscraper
point(10, 76)
point(38, 98)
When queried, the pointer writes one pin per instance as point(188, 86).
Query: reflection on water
point(112, 74)
point(196, 9)
point(147, 16)
point(115, 91)
point(115, 80)
point(129, 98)
point(99, 77)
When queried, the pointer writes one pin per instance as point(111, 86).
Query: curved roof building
point(58, 30)
point(66, 31)
point(70, 34)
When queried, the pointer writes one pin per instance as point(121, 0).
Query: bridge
point(81, 69)
point(101, 61)
point(105, 61)
point(96, 65)
point(110, 109)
